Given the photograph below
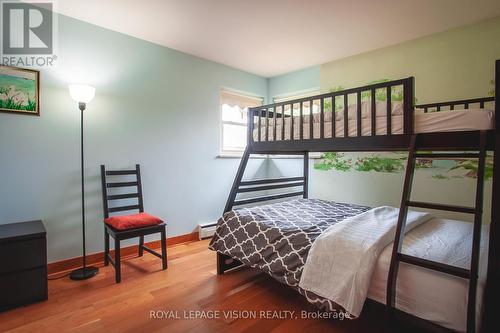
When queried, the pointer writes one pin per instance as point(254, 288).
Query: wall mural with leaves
point(395, 162)
point(492, 91)
point(380, 96)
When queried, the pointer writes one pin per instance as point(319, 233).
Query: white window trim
point(276, 99)
point(234, 153)
point(238, 155)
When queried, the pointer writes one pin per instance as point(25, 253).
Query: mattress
point(434, 296)
point(276, 238)
point(443, 121)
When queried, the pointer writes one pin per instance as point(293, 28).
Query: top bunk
point(376, 117)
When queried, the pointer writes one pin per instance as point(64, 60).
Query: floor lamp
point(82, 94)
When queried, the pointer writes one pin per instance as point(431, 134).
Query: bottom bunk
point(277, 239)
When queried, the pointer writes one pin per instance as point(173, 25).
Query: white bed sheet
point(443, 121)
point(342, 259)
point(435, 296)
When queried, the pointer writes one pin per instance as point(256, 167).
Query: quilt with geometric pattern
point(276, 238)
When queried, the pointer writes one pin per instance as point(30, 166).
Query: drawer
point(23, 288)
point(20, 255)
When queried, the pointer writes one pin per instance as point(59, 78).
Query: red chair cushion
point(133, 221)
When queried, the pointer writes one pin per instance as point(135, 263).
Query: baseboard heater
point(206, 230)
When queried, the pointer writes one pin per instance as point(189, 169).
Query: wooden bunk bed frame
point(448, 144)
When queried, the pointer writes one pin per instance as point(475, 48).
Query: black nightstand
point(23, 264)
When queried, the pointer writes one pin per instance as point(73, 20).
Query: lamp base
point(84, 273)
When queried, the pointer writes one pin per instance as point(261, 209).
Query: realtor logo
point(27, 29)
point(27, 33)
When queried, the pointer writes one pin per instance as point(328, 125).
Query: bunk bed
point(277, 237)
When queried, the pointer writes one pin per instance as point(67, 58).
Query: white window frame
point(254, 101)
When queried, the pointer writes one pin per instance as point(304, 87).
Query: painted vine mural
point(395, 162)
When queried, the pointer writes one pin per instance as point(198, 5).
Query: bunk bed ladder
point(237, 181)
point(397, 256)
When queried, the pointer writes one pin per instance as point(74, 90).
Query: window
point(234, 110)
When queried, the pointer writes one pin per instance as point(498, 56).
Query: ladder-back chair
point(137, 225)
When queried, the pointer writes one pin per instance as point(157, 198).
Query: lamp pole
point(82, 93)
point(82, 106)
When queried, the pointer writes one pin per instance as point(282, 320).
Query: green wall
point(451, 65)
point(455, 64)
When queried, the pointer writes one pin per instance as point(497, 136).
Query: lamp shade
point(81, 93)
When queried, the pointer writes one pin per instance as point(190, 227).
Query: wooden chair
point(119, 235)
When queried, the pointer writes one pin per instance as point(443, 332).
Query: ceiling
point(272, 37)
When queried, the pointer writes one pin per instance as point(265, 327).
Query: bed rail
point(266, 185)
point(331, 122)
point(296, 186)
point(466, 103)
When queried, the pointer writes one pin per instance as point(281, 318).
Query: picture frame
point(19, 90)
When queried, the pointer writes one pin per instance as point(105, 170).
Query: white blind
point(235, 99)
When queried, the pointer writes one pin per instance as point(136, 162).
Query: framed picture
point(19, 90)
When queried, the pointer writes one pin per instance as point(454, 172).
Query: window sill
point(238, 155)
point(312, 156)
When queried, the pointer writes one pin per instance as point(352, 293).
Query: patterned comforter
point(276, 238)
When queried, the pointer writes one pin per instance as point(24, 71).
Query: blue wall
point(303, 80)
point(153, 106)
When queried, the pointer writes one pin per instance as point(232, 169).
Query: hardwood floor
point(189, 284)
